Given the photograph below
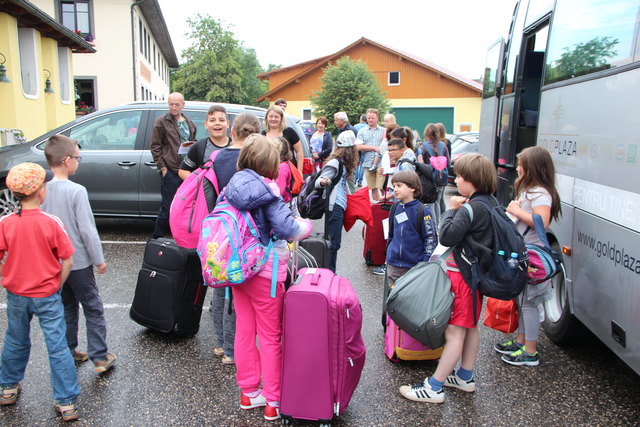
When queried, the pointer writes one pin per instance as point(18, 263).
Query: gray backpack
point(420, 302)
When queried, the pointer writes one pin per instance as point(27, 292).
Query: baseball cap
point(26, 178)
point(347, 139)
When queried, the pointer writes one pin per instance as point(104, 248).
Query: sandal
point(68, 412)
point(10, 395)
point(79, 356)
point(104, 365)
point(218, 351)
point(227, 360)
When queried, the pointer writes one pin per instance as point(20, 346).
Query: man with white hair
point(341, 120)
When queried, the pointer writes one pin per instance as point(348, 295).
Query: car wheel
point(8, 203)
point(559, 324)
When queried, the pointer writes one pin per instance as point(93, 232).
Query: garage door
point(418, 117)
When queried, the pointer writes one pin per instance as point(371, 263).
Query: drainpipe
point(133, 49)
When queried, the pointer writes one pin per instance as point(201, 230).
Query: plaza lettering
point(564, 147)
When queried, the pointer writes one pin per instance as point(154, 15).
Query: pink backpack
point(193, 201)
point(229, 247)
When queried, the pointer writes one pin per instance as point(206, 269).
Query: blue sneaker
point(507, 347)
point(380, 271)
point(522, 358)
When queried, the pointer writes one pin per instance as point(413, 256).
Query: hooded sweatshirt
point(249, 191)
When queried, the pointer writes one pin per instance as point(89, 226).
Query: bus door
point(518, 130)
point(490, 98)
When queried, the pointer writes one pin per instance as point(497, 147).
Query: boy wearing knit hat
point(38, 260)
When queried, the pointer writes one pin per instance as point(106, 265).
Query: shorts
point(374, 179)
point(462, 309)
point(394, 273)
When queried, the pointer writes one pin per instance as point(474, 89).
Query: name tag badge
point(402, 217)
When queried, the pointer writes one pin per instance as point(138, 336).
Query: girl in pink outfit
point(284, 175)
point(258, 301)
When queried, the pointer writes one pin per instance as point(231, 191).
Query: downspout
point(133, 49)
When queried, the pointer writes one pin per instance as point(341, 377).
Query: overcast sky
point(454, 34)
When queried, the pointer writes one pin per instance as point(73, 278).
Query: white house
point(133, 49)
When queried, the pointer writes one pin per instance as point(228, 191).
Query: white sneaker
point(453, 380)
point(422, 392)
point(247, 402)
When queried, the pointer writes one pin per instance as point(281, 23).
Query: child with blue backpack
point(470, 227)
point(258, 313)
point(434, 152)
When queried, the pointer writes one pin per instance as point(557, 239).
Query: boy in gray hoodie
point(69, 201)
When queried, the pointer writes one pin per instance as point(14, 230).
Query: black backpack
point(312, 201)
point(507, 275)
point(424, 171)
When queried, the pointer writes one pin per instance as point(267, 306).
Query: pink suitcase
point(398, 345)
point(322, 348)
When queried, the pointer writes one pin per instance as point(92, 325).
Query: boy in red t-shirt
point(30, 236)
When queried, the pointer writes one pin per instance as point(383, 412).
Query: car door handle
point(127, 164)
point(152, 164)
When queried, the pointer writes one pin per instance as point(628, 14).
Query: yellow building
point(134, 49)
point(418, 90)
point(36, 89)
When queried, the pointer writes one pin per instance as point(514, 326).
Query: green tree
point(253, 87)
point(583, 58)
point(217, 67)
point(351, 87)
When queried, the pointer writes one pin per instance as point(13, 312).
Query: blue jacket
point(250, 192)
point(327, 145)
point(406, 248)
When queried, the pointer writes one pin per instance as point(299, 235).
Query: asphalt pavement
point(159, 380)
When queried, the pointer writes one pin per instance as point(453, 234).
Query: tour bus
point(567, 77)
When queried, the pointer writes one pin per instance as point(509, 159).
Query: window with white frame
point(394, 78)
point(306, 114)
point(28, 61)
point(64, 69)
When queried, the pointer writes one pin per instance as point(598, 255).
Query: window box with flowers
point(82, 109)
point(86, 36)
point(11, 137)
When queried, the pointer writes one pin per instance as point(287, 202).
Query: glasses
point(78, 158)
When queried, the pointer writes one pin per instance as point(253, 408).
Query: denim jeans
point(436, 208)
point(169, 184)
point(17, 345)
point(224, 324)
point(81, 289)
point(360, 169)
point(335, 234)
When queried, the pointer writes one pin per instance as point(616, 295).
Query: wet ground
point(160, 381)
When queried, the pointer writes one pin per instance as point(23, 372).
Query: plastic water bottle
point(513, 261)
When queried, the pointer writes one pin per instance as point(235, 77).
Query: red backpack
point(194, 200)
point(297, 180)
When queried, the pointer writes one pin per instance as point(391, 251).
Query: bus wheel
point(559, 324)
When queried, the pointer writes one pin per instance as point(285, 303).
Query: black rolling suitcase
point(318, 245)
point(170, 291)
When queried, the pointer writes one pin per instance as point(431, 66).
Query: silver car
point(117, 167)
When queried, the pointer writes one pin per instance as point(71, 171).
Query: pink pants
point(258, 313)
